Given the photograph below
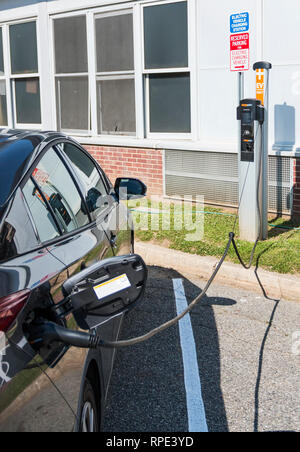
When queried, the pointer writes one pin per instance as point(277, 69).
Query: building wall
point(274, 36)
point(144, 164)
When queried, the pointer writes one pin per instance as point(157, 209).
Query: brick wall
point(296, 204)
point(144, 164)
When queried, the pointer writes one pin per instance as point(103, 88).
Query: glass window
point(166, 36)
point(28, 106)
point(73, 109)
point(42, 217)
point(116, 99)
point(115, 91)
point(17, 235)
point(1, 54)
point(59, 189)
point(95, 191)
point(3, 104)
point(170, 110)
point(23, 48)
point(114, 37)
point(70, 45)
point(72, 90)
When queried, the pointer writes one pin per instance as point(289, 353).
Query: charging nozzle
point(45, 333)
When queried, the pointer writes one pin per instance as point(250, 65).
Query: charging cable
point(44, 332)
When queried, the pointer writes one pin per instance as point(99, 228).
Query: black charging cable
point(44, 332)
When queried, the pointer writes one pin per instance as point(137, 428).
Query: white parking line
point(195, 405)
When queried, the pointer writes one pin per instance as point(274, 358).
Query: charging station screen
point(247, 117)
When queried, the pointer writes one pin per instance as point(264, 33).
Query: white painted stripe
point(195, 405)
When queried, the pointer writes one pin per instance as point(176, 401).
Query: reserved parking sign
point(240, 52)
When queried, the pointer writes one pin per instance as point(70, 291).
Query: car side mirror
point(92, 199)
point(106, 289)
point(129, 188)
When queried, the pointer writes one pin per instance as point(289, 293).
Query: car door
point(78, 196)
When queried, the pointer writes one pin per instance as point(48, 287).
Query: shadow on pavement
point(147, 391)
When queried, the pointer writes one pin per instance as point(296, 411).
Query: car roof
point(18, 149)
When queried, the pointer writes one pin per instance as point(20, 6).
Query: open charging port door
point(105, 289)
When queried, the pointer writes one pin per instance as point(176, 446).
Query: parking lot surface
point(246, 358)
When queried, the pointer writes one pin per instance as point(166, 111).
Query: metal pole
point(262, 93)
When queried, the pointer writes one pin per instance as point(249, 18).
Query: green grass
point(280, 253)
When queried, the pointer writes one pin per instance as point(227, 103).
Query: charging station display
point(249, 111)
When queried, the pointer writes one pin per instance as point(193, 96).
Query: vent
point(214, 175)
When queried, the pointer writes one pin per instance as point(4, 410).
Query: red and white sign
point(239, 52)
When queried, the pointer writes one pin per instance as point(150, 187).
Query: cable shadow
point(262, 348)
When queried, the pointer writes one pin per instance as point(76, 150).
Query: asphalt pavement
point(247, 358)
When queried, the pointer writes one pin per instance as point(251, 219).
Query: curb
point(277, 286)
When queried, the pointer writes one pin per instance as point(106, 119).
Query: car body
point(52, 226)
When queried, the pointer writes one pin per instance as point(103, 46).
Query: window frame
point(55, 76)
point(147, 72)
point(115, 75)
point(13, 77)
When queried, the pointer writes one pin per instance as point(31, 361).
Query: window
point(28, 107)
point(166, 68)
point(71, 69)
point(25, 73)
point(3, 102)
point(115, 74)
point(43, 219)
point(23, 48)
point(95, 191)
point(169, 100)
point(61, 193)
point(17, 235)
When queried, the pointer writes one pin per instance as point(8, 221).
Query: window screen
point(114, 37)
point(166, 36)
point(23, 48)
point(1, 54)
point(71, 64)
point(115, 91)
point(42, 217)
point(3, 104)
point(88, 173)
point(70, 45)
point(169, 98)
point(28, 103)
point(73, 109)
point(116, 99)
point(58, 187)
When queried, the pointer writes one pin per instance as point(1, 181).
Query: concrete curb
point(279, 286)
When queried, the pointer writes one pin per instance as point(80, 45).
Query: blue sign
point(239, 23)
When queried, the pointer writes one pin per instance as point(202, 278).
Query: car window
point(17, 235)
point(42, 218)
point(61, 192)
point(88, 173)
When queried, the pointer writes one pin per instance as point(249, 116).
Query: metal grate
point(214, 175)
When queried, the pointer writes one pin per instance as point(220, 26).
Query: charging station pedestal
point(253, 158)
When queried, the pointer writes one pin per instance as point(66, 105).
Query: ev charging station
point(253, 156)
